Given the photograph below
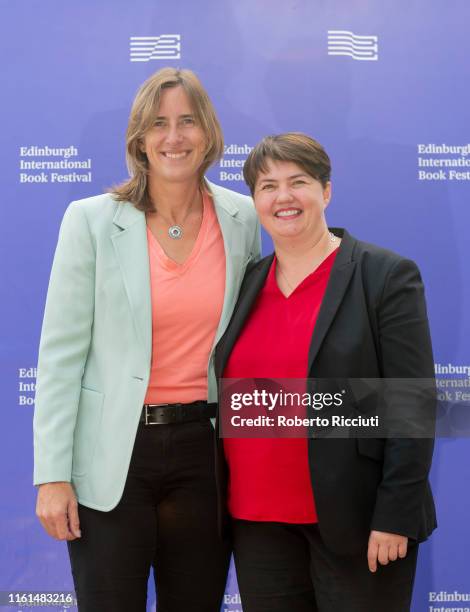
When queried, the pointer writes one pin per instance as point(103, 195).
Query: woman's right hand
point(57, 509)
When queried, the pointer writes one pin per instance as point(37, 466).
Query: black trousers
point(287, 568)
point(167, 518)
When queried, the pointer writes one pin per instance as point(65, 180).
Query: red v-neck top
point(269, 478)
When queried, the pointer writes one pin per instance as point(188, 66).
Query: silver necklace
point(285, 278)
point(176, 231)
point(333, 238)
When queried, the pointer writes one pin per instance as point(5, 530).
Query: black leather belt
point(165, 414)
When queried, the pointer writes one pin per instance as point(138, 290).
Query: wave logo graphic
point(343, 42)
point(163, 47)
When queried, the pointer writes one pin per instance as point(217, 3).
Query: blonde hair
point(143, 113)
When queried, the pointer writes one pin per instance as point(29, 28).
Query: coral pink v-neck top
point(269, 478)
point(187, 302)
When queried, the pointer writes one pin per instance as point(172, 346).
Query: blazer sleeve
point(405, 353)
point(63, 349)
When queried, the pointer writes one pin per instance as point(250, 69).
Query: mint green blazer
point(96, 341)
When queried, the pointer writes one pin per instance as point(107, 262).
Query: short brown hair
point(143, 113)
point(293, 147)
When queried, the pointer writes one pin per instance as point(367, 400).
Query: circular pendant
point(175, 232)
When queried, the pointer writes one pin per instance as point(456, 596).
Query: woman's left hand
point(385, 547)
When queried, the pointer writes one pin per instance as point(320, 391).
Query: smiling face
point(290, 203)
point(175, 145)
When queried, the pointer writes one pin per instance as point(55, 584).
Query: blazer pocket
point(371, 447)
point(90, 408)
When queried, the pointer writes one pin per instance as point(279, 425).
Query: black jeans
point(167, 518)
point(287, 568)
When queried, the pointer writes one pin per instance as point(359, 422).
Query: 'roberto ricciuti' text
point(269, 401)
point(296, 421)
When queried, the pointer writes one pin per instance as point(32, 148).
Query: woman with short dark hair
point(322, 523)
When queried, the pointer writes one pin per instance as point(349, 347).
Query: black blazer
point(372, 324)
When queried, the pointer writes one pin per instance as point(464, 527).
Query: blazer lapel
point(252, 285)
point(130, 244)
point(232, 233)
point(341, 274)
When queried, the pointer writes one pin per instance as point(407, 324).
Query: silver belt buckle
point(147, 414)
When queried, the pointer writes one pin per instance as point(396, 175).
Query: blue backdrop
point(383, 85)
